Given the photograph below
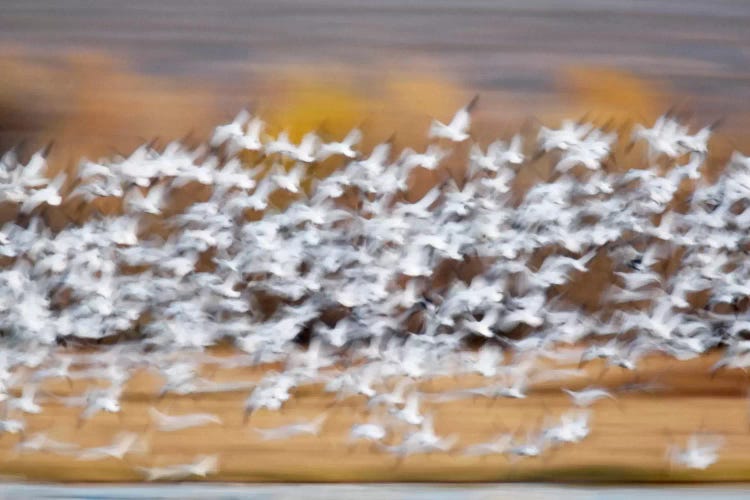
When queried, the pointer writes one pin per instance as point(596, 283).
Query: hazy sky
point(700, 47)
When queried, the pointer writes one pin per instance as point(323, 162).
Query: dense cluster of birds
point(352, 283)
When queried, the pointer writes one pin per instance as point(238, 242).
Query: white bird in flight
point(458, 128)
point(169, 423)
point(700, 452)
point(201, 467)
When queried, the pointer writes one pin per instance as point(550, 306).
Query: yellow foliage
point(306, 104)
point(609, 94)
point(334, 101)
point(90, 103)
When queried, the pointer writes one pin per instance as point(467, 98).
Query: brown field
point(628, 440)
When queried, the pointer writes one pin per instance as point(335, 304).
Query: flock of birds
point(352, 284)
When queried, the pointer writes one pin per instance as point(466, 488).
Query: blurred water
point(701, 48)
point(367, 492)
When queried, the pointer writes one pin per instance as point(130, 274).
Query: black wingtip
point(188, 137)
point(48, 148)
point(472, 104)
point(717, 124)
point(113, 150)
point(671, 112)
point(537, 155)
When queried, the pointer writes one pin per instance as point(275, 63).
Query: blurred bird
point(458, 128)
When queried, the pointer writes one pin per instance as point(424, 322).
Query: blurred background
point(104, 76)
point(100, 77)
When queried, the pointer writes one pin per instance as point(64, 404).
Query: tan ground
point(628, 441)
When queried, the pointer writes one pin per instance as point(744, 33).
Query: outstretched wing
point(353, 137)
point(462, 119)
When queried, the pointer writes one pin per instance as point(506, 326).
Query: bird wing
point(156, 194)
point(428, 424)
point(353, 137)
point(308, 144)
point(158, 417)
point(412, 403)
point(255, 127)
point(461, 120)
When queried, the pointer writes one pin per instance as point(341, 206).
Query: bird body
point(587, 397)
point(700, 452)
point(410, 412)
point(168, 423)
point(287, 431)
point(369, 432)
point(498, 445)
point(40, 442)
point(201, 467)
point(344, 148)
point(121, 446)
point(458, 128)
